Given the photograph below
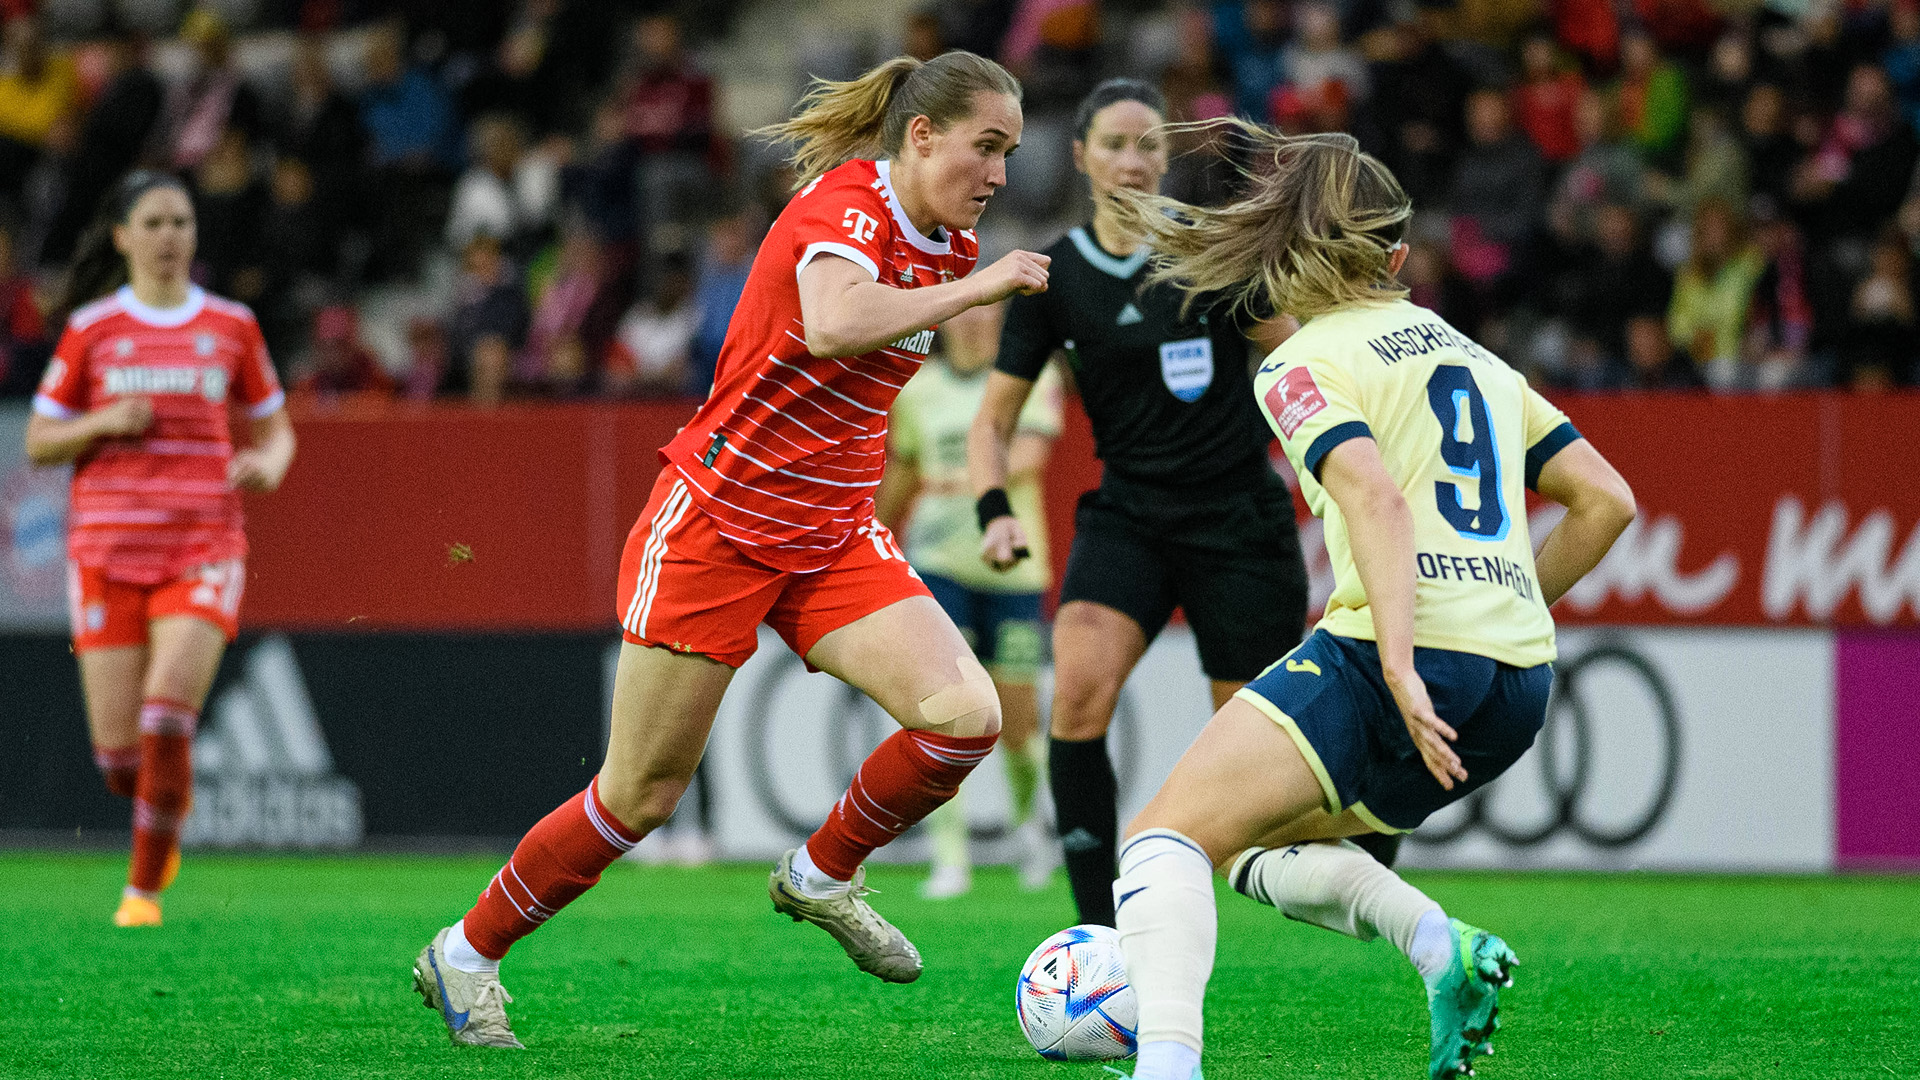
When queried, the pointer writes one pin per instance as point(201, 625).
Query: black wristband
point(992, 505)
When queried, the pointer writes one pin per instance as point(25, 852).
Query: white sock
point(461, 953)
point(1432, 948)
point(1163, 906)
point(1166, 1060)
point(1346, 890)
point(811, 880)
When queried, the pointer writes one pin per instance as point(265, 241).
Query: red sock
point(119, 767)
point(163, 792)
point(560, 858)
point(902, 781)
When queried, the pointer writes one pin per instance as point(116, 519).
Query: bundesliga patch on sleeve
point(1293, 399)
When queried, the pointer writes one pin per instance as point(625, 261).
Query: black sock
point(1384, 847)
point(1086, 813)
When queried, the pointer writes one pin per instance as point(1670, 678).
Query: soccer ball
point(1074, 1001)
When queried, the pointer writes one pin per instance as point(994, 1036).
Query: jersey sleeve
point(1041, 414)
point(842, 217)
point(63, 389)
point(1027, 339)
point(1313, 406)
point(1548, 431)
point(256, 386)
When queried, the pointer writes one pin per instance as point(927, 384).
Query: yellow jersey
point(1464, 437)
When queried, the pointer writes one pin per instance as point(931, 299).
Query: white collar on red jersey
point(913, 235)
point(165, 318)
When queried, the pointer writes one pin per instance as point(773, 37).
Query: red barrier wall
point(1754, 510)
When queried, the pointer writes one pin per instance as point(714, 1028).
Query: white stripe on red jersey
point(150, 508)
point(787, 450)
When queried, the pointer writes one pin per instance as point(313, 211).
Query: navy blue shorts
point(1004, 629)
point(1330, 696)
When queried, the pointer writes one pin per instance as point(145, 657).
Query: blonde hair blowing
point(867, 117)
point(1314, 231)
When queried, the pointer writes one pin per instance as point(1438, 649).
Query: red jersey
point(150, 508)
point(787, 450)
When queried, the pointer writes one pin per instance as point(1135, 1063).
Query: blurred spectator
point(1316, 61)
point(1881, 329)
point(1901, 61)
point(1715, 167)
point(1608, 283)
point(555, 359)
point(1652, 361)
point(669, 117)
point(1780, 320)
point(489, 323)
point(231, 207)
point(506, 192)
point(1591, 29)
point(1770, 147)
point(651, 351)
point(1651, 97)
point(1498, 199)
point(977, 26)
point(298, 257)
point(1712, 294)
point(1419, 100)
point(1606, 171)
point(1857, 178)
point(213, 100)
point(320, 126)
point(429, 359)
point(922, 39)
point(37, 91)
point(112, 139)
point(722, 277)
point(1050, 46)
point(1547, 101)
point(1729, 74)
point(598, 185)
point(1434, 284)
point(411, 129)
point(23, 331)
point(339, 366)
point(1251, 36)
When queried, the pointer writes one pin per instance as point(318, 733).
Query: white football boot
point(872, 943)
point(473, 1006)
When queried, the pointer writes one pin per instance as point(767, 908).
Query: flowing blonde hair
point(868, 116)
point(1314, 231)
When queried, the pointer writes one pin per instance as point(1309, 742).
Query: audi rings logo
point(805, 736)
point(1605, 768)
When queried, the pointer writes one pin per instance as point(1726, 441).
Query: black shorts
point(1229, 558)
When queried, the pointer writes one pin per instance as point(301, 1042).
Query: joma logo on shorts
point(919, 344)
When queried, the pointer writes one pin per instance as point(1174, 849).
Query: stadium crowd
point(1613, 194)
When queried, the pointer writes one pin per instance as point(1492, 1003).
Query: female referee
point(136, 397)
point(1188, 514)
point(1428, 675)
point(764, 513)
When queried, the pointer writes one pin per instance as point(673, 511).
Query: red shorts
point(107, 614)
point(685, 587)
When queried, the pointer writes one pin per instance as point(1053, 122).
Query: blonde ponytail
point(867, 117)
point(1314, 231)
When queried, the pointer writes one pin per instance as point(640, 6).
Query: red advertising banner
point(1774, 511)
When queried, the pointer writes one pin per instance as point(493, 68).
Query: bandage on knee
point(968, 709)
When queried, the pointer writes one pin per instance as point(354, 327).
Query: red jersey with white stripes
point(149, 508)
point(787, 450)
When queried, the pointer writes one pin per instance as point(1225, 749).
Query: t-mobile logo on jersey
point(859, 226)
point(263, 776)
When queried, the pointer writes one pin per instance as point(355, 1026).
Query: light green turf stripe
point(1299, 739)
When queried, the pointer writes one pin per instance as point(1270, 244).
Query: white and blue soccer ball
point(1074, 1001)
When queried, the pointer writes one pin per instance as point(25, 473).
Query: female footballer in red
point(136, 397)
point(764, 513)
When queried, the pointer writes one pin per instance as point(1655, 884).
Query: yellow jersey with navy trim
point(1464, 437)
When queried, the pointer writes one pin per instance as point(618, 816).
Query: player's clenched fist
point(1015, 272)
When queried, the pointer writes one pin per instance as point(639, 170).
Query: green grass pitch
point(298, 967)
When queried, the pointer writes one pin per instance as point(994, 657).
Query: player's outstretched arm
point(52, 441)
point(989, 448)
point(847, 313)
point(1599, 508)
point(1380, 535)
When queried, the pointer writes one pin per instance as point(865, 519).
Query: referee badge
point(1187, 367)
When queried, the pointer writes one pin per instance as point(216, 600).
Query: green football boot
point(1464, 1002)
